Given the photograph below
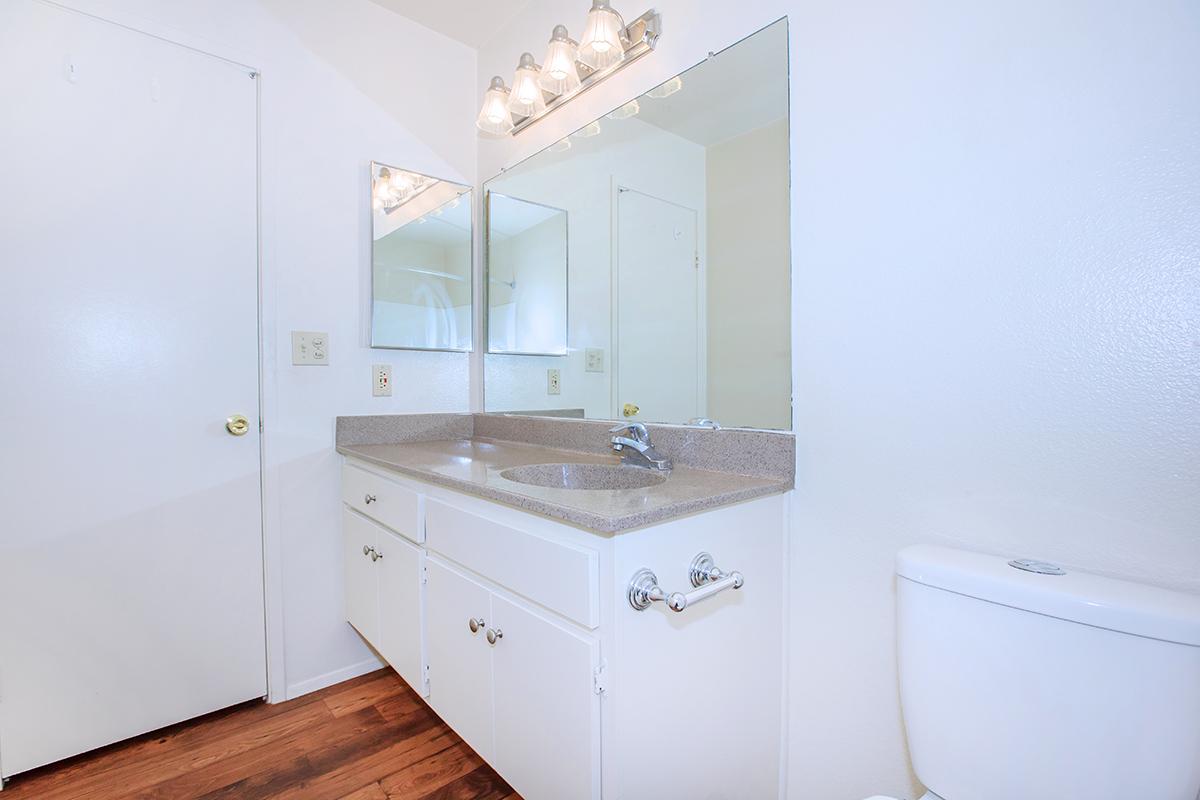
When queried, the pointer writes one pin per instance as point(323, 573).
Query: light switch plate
point(593, 359)
point(381, 380)
point(553, 381)
point(310, 348)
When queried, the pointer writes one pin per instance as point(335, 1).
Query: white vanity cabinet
point(384, 571)
point(534, 654)
point(516, 685)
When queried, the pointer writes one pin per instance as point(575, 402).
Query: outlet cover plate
point(310, 348)
point(381, 380)
point(593, 358)
point(553, 381)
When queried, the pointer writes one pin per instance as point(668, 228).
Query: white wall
point(342, 84)
point(996, 276)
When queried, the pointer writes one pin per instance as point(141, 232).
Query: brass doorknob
point(237, 425)
point(630, 410)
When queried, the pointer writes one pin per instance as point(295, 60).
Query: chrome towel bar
point(707, 579)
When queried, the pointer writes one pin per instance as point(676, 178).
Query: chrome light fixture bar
point(637, 38)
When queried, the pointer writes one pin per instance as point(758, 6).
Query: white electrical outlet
point(381, 380)
point(310, 348)
point(553, 381)
point(593, 359)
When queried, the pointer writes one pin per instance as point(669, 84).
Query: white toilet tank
point(1018, 685)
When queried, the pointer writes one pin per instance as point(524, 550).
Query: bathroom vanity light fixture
point(568, 69)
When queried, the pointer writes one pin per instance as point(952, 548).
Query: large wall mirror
point(420, 261)
point(677, 267)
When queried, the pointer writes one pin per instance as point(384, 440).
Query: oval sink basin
point(584, 476)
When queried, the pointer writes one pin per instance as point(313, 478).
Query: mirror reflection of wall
point(680, 301)
point(420, 261)
point(527, 277)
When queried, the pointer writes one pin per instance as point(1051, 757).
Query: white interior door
point(131, 589)
point(658, 340)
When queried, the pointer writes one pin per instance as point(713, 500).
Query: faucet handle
point(637, 429)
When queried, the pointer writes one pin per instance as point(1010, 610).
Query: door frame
point(270, 524)
point(617, 187)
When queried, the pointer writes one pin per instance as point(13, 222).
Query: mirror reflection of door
point(660, 343)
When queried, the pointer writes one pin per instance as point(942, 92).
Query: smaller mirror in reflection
point(527, 277)
point(420, 261)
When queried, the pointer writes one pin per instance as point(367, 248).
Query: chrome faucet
point(636, 449)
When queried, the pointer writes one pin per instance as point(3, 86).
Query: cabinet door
point(547, 723)
point(361, 577)
point(460, 666)
point(399, 569)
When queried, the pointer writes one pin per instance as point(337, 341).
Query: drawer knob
point(367, 550)
point(475, 624)
point(494, 635)
point(370, 498)
point(375, 554)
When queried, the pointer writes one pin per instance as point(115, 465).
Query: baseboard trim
point(304, 687)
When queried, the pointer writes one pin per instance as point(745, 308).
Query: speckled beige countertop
point(472, 464)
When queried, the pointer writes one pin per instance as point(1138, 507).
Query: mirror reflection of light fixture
point(626, 111)
point(495, 117)
point(666, 89)
point(588, 131)
point(600, 46)
point(559, 73)
point(525, 98)
point(392, 188)
point(606, 46)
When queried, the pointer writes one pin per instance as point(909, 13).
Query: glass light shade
point(559, 74)
point(666, 89)
point(494, 117)
point(526, 97)
point(588, 131)
point(600, 46)
point(626, 111)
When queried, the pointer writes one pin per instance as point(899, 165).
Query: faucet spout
point(636, 449)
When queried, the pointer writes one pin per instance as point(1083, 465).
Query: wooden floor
point(367, 739)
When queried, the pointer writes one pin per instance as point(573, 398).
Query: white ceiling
point(471, 22)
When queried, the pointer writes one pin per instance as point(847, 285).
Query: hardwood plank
point(481, 784)
point(366, 739)
point(433, 772)
point(370, 792)
point(355, 698)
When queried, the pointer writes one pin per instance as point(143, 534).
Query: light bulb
point(666, 89)
point(600, 46)
point(525, 99)
point(630, 109)
point(494, 117)
point(559, 74)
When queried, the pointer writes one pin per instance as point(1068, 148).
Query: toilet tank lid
point(1077, 596)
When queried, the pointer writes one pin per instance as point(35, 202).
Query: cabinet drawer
point(381, 499)
point(560, 576)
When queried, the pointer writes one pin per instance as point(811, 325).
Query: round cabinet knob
point(370, 498)
point(376, 555)
point(237, 425)
point(475, 624)
point(367, 550)
point(494, 635)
